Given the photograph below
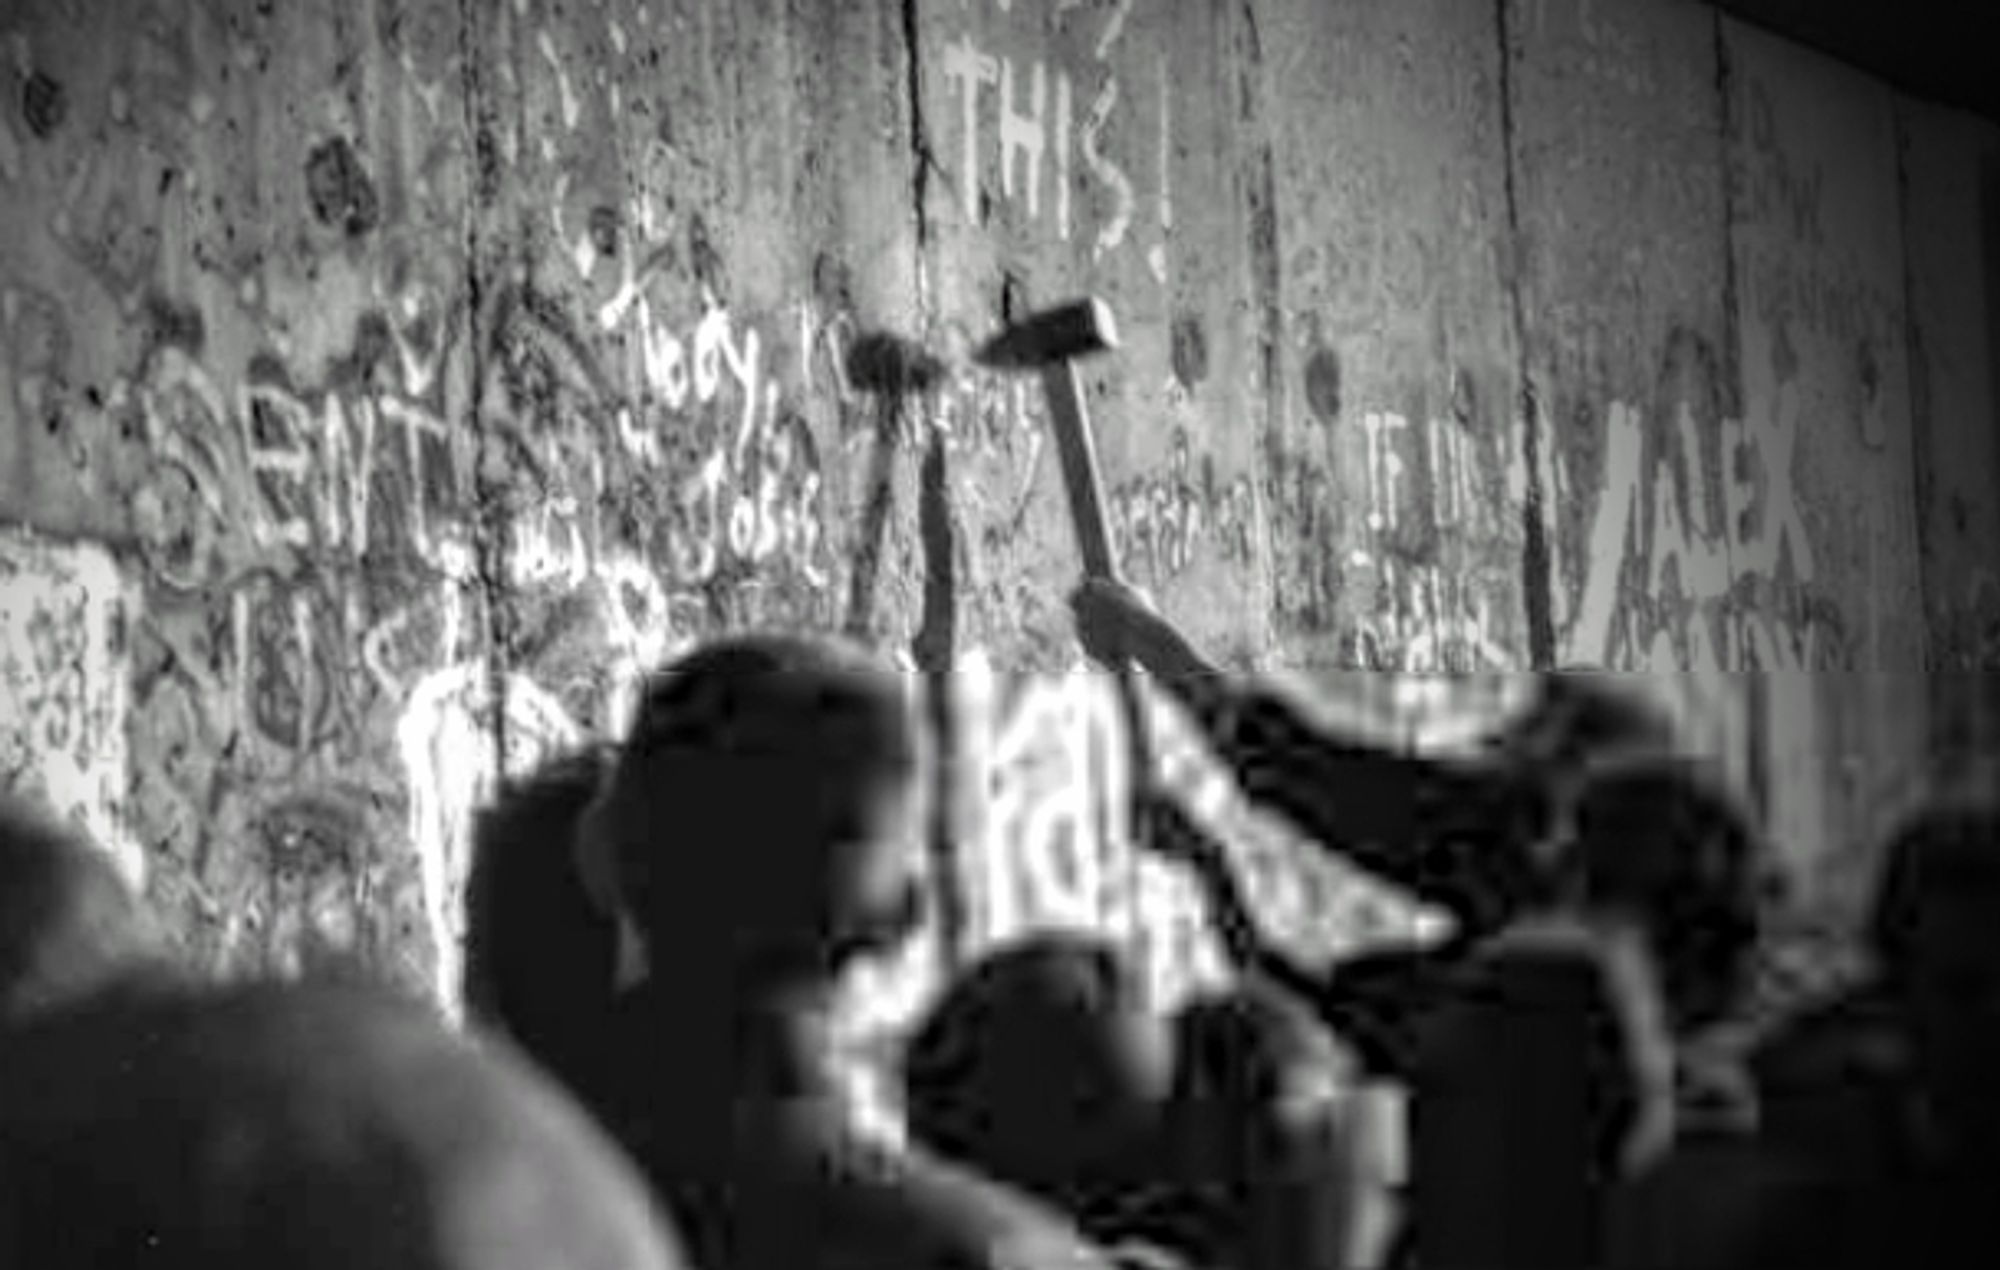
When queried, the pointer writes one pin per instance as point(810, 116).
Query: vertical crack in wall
point(1536, 579)
point(936, 638)
point(921, 157)
point(935, 646)
point(1732, 176)
point(1260, 197)
point(487, 546)
point(1923, 479)
point(1986, 711)
point(863, 575)
point(1989, 247)
point(1759, 742)
point(936, 650)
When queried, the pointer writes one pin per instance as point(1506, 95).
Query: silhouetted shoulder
point(305, 1127)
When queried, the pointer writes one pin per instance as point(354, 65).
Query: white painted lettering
point(1023, 132)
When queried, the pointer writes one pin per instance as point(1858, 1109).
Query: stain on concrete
point(1266, 272)
point(172, 324)
point(486, 157)
point(1323, 384)
point(937, 631)
point(343, 196)
point(1014, 302)
point(702, 255)
point(605, 225)
point(1784, 356)
point(1190, 351)
point(873, 533)
point(833, 282)
point(44, 104)
point(374, 345)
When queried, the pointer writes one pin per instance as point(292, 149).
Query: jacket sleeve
point(1451, 833)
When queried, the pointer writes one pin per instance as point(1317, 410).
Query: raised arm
point(1372, 1001)
point(1453, 834)
point(1229, 907)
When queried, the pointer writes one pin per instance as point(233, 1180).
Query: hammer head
point(1073, 330)
point(882, 363)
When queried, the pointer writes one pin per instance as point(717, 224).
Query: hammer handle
point(1078, 453)
point(1077, 450)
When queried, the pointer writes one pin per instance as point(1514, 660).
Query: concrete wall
point(385, 385)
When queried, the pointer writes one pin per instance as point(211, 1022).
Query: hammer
point(892, 369)
point(895, 368)
point(1050, 342)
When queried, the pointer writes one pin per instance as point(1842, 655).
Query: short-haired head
point(1584, 713)
point(1945, 856)
point(1936, 910)
point(1253, 1055)
point(1661, 839)
point(1256, 1074)
point(762, 812)
point(1577, 717)
point(1043, 1065)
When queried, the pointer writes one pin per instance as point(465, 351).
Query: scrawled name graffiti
point(1669, 581)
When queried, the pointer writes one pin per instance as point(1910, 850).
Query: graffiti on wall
point(1040, 125)
point(1163, 521)
point(1966, 634)
point(1427, 592)
point(1817, 263)
point(319, 549)
point(1053, 847)
point(1413, 585)
point(322, 560)
point(1049, 799)
point(317, 557)
point(1675, 578)
point(1046, 767)
point(450, 738)
point(65, 669)
point(750, 488)
point(307, 556)
point(360, 592)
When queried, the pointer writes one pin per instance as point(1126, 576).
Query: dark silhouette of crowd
point(681, 961)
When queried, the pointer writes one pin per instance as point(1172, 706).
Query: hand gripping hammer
point(1050, 342)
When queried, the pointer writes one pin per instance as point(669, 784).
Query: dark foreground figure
point(1879, 1135)
point(150, 1121)
point(1549, 1075)
point(1603, 897)
point(282, 1126)
point(1467, 835)
point(1043, 1066)
point(69, 924)
point(766, 818)
point(1262, 1147)
point(541, 955)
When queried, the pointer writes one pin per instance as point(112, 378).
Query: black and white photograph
point(999, 634)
